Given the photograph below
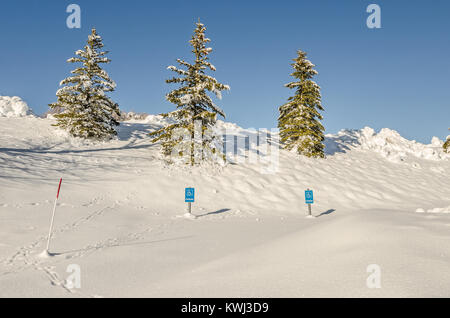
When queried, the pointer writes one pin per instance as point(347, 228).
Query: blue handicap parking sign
point(309, 197)
point(190, 195)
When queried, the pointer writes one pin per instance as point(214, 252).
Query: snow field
point(118, 218)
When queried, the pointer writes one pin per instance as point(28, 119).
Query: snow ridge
point(388, 143)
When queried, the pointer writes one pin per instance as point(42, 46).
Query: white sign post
point(47, 251)
point(189, 198)
point(309, 199)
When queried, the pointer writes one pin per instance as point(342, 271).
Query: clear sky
point(397, 76)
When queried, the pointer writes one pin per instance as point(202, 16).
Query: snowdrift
point(434, 210)
point(13, 107)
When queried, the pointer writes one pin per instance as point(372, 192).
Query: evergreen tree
point(192, 137)
point(299, 120)
point(83, 108)
point(447, 145)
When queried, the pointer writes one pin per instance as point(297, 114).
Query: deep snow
point(119, 218)
point(13, 107)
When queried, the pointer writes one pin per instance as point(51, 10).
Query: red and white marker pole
point(53, 218)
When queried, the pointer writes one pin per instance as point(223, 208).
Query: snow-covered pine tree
point(192, 137)
point(447, 145)
point(84, 110)
point(299, 121)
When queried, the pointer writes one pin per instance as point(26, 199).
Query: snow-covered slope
point(119, 218)
point(13, 107)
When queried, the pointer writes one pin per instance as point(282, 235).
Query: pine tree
point(447, 145)
point(192, 137)
point(84, 110)
point(299, 120)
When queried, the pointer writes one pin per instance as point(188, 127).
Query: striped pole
point(53, 218)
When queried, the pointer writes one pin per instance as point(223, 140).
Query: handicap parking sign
point(190, 195)
point(309, 197)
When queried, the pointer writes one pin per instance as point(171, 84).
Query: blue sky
point(396, 77)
